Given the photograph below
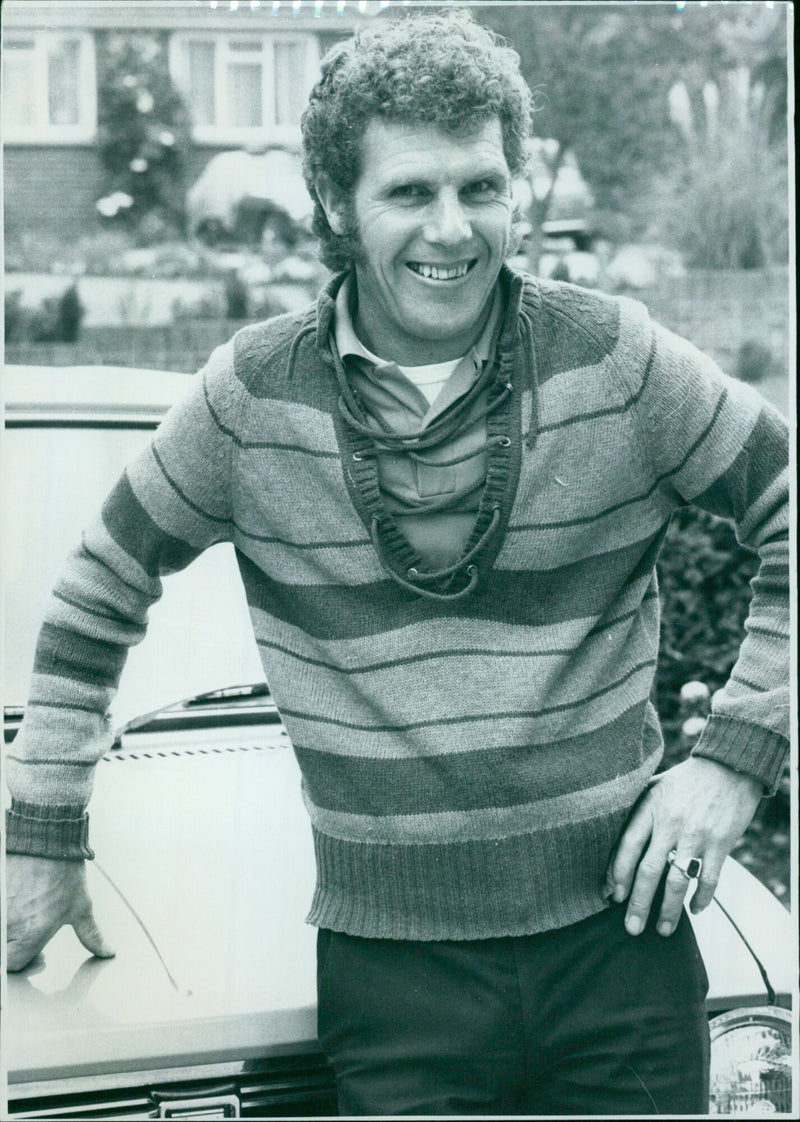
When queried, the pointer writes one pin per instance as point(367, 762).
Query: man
point(447, 484)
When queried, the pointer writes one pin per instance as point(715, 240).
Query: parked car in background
point(204, 865)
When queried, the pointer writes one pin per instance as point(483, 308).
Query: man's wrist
point(36, 830)
point(745, 748)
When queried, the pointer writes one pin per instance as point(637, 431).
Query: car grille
point(290, 1088)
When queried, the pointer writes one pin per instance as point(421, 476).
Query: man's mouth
point(441, 272)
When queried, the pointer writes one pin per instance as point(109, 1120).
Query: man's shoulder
point(261, 351)
point(586, 308)
point(580, 327)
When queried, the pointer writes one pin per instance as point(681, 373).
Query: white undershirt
point(430, 379)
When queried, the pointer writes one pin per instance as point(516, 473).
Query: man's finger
point(19, 954)
point(85, 927)
point(645, 884)
point(707, 884)
point(629, 851)
point(675, 888)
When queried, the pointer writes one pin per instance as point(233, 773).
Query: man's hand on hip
point(42, 895)
point(696, 810)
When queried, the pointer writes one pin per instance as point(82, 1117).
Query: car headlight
point(751, 1058)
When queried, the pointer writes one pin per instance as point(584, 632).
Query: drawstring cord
point(428, 594)
point(451, 570)
point(438, 432)
point(439, 574)
point(380, 437)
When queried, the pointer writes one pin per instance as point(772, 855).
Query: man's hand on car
point(696, 810)
point(42, 895)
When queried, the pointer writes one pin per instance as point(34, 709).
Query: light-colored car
point(204, 865)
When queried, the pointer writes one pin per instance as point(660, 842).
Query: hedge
point(704, 580)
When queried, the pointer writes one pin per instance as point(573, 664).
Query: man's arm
point(171, 503)
point(717, 444)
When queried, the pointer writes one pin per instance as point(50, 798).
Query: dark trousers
point(583, 1020)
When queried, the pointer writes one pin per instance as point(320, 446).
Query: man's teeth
point(440, 272)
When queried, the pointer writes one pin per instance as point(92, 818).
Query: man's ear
point(332, 202)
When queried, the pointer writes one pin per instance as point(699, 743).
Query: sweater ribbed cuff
point(48, 831)
point(746, 748)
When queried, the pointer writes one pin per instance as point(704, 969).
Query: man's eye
point(482, 187)
point(408, 191)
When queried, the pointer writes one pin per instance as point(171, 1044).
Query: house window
point(245, 88)
point(49, 92)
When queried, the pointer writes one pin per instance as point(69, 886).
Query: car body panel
point(207, 842)
point(204, 875)
point(69, 435)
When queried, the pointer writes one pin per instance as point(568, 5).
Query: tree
point(143, 130)
point(602, 76)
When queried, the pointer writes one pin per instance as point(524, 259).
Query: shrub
point(726, 204)
point(235, 297)
point(14, 316)
point(754, 362)
point(56, 320)
point(704, 580)
point(70, 312)
point(143, 128)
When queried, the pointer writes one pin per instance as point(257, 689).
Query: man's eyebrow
point(405, 176)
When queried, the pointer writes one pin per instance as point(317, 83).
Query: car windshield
point(68, 436)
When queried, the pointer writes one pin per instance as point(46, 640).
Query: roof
point(172, 15)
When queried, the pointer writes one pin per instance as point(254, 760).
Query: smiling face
point(433, 215)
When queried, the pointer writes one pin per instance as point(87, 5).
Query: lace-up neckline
point(364, 434)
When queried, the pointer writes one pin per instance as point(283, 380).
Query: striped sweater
point(468, 763)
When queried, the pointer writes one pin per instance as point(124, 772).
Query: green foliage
point(704, 580)
point(143, 127)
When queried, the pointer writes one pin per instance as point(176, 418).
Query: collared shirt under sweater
point(468, 762)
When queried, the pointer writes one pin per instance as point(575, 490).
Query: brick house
point(244, 68)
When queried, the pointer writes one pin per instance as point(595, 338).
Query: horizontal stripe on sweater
point(442, 735)
point(442, 650)
point(487, 824)
point(500, 776)
point(508, 596)
point(135, 532)
point(469, 717)
point(742, 483)
point(418, 640)
point(379, 698)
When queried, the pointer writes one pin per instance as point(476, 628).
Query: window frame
point(42, 131)
point(223, 131)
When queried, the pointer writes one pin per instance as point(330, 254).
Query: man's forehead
point(392, 146)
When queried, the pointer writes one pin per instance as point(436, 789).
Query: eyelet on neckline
point(357, 457)
point(504, 441)
point(412, 572)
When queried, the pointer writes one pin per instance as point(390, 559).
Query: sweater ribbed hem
point(746, 748)
point(48, 831)
point(466, 890)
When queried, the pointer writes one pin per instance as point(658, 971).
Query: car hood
point(204, 874)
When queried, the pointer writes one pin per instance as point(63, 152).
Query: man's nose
point(447, 222)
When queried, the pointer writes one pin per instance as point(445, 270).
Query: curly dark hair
point(440, 69)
